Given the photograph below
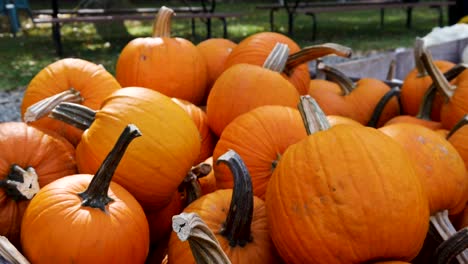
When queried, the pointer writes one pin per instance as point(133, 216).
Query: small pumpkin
point(30, 160)
point(339, 184)
point(244, 87)
point(166, 126)
point(170, 65)
point(160, 221)
point(86, 218)
point(66, 80)
point(236, 217)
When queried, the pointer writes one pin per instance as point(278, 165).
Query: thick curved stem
point(453, 248)
point(462, 122)
point(73, 114)
point(277, 58)
point(190, 186)
point(417, 52)
point(314, 52)
point(438, 78)
point(162, 23)
point(312, 115)
point(239, 219)
point(425, 108)
point(445, 229)
point(20, 184)
point(44, 106)
point(374, 120)
point(95, 195)
point(9, 252)
point(346, 84)
point(203, 243)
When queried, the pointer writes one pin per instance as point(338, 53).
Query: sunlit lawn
point(22, 57)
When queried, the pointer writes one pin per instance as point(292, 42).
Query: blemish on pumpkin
point(421, 139)
point(143, 57)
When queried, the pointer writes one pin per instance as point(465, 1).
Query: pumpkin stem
point(312, 115)
point(9, 253)
point(452, 247)
point(425, 108)
point(445, 229)
point(95, 195)
point(391, 70)
point(203, 243)
point(438, 78)
point(20, 184)
point(73, 114)
point(316, 51)
point(417, 53)
point(379, 108)
point(277, 58)
point(44, 106)
point(346, 84)
point(190, 185)
point(463, 121)
point(162, 23)
point(239, 219)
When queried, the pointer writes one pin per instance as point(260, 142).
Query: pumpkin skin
point(255, 49)
point(458, 140)
point(329, 96)
point(170, 65)
point(244, 87)
point(259, 137)
point(336, 120)
point(433, 125)
point(74, 227)
point(208, 183)
point(414, 87)
point(199, 117)
point(340, 185)
point(92, 81)
point(160, 221)
point(165, 125)
point(215, 52)
point(51, 158)
point(456, 107)
point(438, 164)
point(213, 209)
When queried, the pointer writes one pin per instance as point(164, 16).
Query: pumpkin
point(437, 163)
point(215, 52)
point(339, 184)
point(354, 100)
point(417, 81)
point(458, 136)
point(170, 65)
point(160, 221)
point(86, 218)
point(30, 160)
point(66, 80)
point(260, 138)
point(455, 105)
point(199, 117)
point(161, 159)
point(244, 87)
point(236, 217)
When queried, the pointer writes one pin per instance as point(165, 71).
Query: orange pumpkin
point(208, 139)
point(236, 217)
point(160, 221)
point(208, 182)
point(161, 159)
point(86, 219)
point(170, 65)
point(66, 80)
point(457, 136)
point(244, 87)
point(417, 81)
point(29, 156)
point(215, 52)
point(340, 185)
point(259, 137)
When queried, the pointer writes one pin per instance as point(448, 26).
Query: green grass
point(22, 57)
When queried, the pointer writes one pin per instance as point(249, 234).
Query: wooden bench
point(101, 15)
point(314, 8)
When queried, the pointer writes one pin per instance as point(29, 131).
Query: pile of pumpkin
point(236, 149)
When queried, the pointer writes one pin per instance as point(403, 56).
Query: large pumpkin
point(30, 160)
point(86, 219)
point(66, 80)
point(155, 165)
point(170, 65)
point(348, 194)
point(244, 87)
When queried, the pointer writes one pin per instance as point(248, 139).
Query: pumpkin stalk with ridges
point(344, 82)
point(21, 184)
point(446, 230)
point(312, 115)
point(452, 247)
point(204, 245)
point(440, 82)
point(76, 115)
point(162, 23)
